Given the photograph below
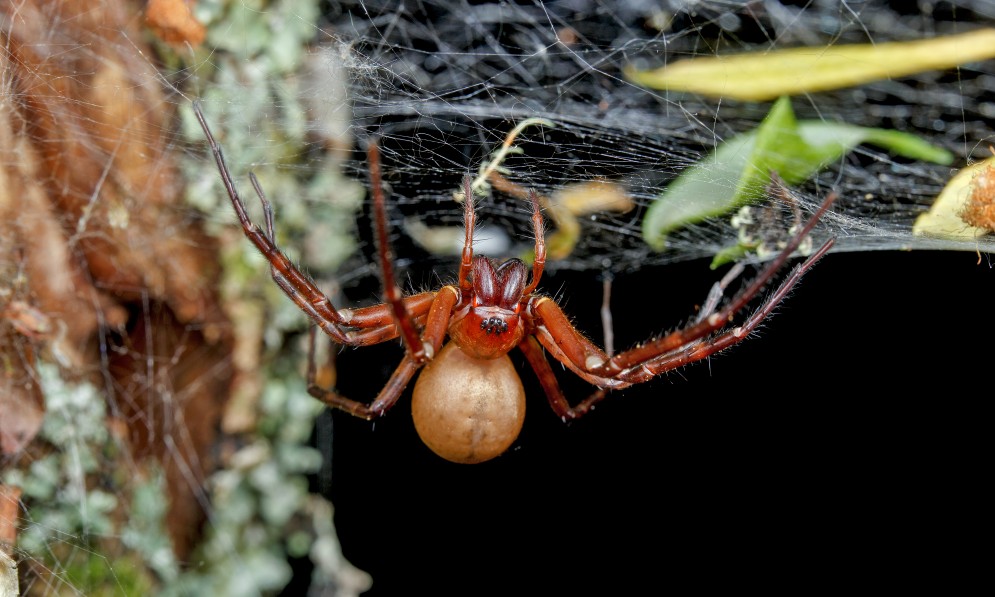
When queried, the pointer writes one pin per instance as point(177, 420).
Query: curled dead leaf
point(174, 23)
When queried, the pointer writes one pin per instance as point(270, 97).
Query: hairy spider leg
point(374, 323)
point(353, 327)
point(534, 354)
point(716, 321)
point(405, 317)
point(567, 345)
point(699, 350)
point(294, 283)
point(436, 322)
point(420, 352)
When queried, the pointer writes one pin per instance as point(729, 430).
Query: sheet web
point(446, 119)
point(294, 90)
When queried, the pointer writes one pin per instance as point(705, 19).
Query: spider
point(468, 403)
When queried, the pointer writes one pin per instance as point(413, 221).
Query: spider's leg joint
point(714, 319)
point(738, 332)
point(428, 350)
point(346, 315)
point(593, 361)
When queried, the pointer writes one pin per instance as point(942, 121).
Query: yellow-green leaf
point(764, 76)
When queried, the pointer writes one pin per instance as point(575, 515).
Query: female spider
point(469, 403)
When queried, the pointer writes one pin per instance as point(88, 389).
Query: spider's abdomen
point(486, 332)
point(468, 410)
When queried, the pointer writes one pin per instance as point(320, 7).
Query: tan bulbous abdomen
point(468, 410)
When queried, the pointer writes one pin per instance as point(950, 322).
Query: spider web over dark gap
point(741, 443)
point(453, 78)
point(748, 425)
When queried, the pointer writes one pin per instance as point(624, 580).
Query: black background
point(849, 429)
point(847, 435)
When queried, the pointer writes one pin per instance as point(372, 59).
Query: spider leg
point(294, 283)
point(420, 351)
point(534, 354)
point(379, 316)
point(569, 346)
point(607, 328)
point(436, 322)
point(716, 321)
point(701, 349)
point(383, 333)
point(267, 206)
point(717, 291)
point(387, 397)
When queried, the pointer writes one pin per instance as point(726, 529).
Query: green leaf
point(738, 171)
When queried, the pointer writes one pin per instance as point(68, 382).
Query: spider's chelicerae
point(469, 403)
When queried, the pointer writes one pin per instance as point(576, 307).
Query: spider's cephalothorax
point(488, 324)
point(468, 403)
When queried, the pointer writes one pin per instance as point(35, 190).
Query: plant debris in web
point(441, 90)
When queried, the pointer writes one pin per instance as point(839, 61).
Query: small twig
point(487, 169)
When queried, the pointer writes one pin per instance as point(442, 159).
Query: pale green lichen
point(249, 79)
point(74, 495)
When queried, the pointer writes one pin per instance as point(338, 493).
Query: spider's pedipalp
point(469, 222)
point(538, 229)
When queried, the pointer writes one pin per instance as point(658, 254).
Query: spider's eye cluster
point(494, 325)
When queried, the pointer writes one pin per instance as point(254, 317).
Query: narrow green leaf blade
point(738, 171)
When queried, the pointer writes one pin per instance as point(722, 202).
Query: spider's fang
point(494, 325)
